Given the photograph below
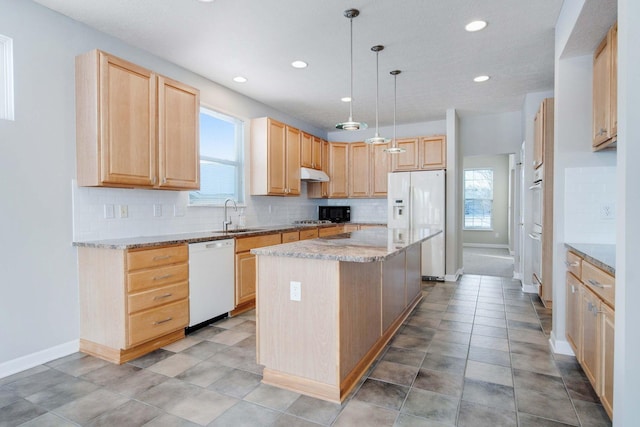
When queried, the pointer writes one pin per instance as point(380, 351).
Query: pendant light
point(350, 124)
point(377, 139)
point(394, 149)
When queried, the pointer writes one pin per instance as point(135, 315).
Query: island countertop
point(371, 245)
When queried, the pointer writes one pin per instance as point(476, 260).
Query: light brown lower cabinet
point(607, 336)
point(132, 301)
point(245, 295)
point(590, 336)
point(590, 324)
point(308, 233)
point(574, 312)
point(330, 231)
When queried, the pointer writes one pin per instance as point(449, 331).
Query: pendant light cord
point(351, 66)
point(395, 96)
point(377, 90)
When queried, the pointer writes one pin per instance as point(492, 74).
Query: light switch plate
point(124, 211)
point(157, 209)
point(109, 212)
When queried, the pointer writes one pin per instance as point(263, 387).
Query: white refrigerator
point(417, 199)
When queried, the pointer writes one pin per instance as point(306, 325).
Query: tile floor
point(473, 353)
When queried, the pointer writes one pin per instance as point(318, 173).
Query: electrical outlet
point(178, 210)
point(124, 211)
point(295, 291)
point(607, 211)
point(157, 209)
point(109, 212)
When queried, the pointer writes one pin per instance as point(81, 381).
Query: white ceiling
point(424, 38)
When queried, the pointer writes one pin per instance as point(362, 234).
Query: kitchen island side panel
point(360, 312)
point(299, 338)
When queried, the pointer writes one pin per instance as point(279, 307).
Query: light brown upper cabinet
point(275, 158)
point(134, 128)
point(543, 133)
point(338, 170)
point(306, 150)
point(320, 190)
point(359, 169)
point(368, 169)
point(380, 167)
point(311, 151)
point(432, 152)
point(605, 91)
point(423, 153)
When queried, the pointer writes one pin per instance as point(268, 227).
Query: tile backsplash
point(92, 206)
point(590, 205)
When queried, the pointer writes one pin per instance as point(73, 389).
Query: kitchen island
point(327, 307)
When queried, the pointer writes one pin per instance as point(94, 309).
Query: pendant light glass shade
point(394, 149)
point(351, 124)
point(377, 139)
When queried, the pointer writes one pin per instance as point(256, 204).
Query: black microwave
point(334, 213)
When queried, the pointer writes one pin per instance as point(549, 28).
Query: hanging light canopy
point(350, 124)
point(394, 149)
point(377, 139)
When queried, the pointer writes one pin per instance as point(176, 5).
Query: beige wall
point(499, 235)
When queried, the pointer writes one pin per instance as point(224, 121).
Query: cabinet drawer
point(329, 231)
point(155, 297)
point(148, 258)
point(600, 282)
point(158, 321)
point(574, 264)
point(308, 234)
point(248, 243)
point(156, 277)
point(290, 236)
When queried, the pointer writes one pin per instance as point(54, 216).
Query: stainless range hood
point(307, 174)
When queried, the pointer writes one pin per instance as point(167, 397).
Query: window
point(221, 159)
point(478, 199)
point(6, 78)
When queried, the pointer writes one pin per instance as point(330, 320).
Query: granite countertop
point(600, 255)
point(357, 246)
point(197, 237)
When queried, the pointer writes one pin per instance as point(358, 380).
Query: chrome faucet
point(226, 223)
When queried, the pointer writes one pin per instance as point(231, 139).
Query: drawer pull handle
point(571, 264)
point(160, 322)
point(165, 276)
point(598, 284)
point(589, 306)
point(162, 296)
point(161, 257)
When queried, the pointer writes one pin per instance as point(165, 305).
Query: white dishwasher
point(211, 280)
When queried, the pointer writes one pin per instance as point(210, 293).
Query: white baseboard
point(453, 277)
point(38, 358)
point(560, 346)
point(485, 245)
point(530, 289)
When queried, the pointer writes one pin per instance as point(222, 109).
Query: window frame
point(238, 163)
point(7, 105)
point(491, 216)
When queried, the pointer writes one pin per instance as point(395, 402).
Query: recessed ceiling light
point(205, 1)
point(481, 79)
point(345, 99)
point(240, 79)
point(299, 64)
point(475, 26)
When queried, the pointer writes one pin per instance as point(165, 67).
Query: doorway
point(490, 214)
